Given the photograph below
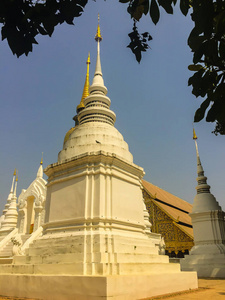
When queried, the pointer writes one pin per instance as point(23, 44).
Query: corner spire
point(41, 163)
point(10, 196)
point(86, 87)
point(14, 194)
point(40, 169)
point(14, 175)
point(11, 214)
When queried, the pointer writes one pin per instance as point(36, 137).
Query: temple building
point(169, 216)
point(96, 240)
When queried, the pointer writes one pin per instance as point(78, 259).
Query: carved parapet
point(17, 244)
point(22, 204)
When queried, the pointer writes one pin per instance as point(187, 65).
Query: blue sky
point(153, 104)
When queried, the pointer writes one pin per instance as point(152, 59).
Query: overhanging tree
point(23, 20)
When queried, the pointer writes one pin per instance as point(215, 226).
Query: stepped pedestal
point(207, 257)
point(123, 287)
point(97, 246)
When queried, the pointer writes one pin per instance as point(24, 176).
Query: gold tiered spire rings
point(194, 135)
point(86, 86)
point(98, 36)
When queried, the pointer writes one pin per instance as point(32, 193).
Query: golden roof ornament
point(98, 36)
point(86, 86)
point(194, 135)
point(41, 163)
point(14, 174)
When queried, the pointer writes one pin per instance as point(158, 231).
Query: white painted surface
point(65, 287)
point(207, 257)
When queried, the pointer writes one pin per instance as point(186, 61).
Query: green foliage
point(207, 42)
point(23, 20)
point(154, 12)
point(195, 67)
point(138, 42)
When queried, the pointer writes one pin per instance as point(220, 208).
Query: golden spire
point(41, 163)
point(17, 175)
point(194, 135)
point(98, 36)
point(86, 87)
point(14, 174)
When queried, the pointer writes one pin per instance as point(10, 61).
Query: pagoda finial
point(98, 36)
point(86, 87)
point(98, 68)
point(98, 81)
point(41, 163)
point(196, 146)
point(199, 165)
point(194, 135)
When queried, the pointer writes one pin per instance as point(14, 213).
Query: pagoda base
point(117, 287)
point(206, 265)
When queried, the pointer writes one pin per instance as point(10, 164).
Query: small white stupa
point(10, 212)
point(8, 199)
point(207, 257)
point(96, 241)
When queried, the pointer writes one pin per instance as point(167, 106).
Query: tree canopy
point(23, 20)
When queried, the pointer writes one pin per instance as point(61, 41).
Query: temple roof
point(186, 229)
point(176, 208)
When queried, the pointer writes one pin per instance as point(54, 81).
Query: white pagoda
point(207, 257)
point(96, 241)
